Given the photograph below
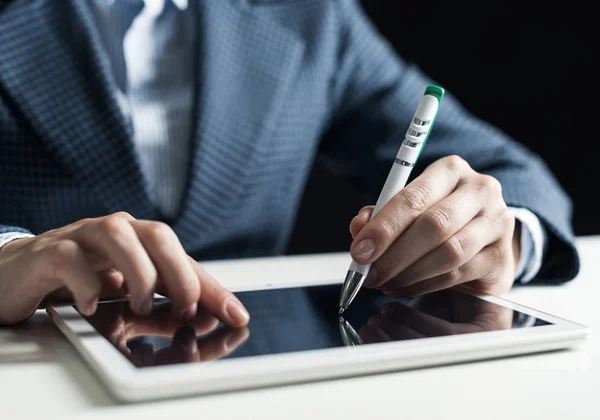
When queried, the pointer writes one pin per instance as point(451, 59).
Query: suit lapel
point(246, 66)
point(53, 68)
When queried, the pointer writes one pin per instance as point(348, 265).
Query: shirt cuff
point(11, 236)
point(533, 240)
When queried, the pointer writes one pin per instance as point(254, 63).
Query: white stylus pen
point(410, 150)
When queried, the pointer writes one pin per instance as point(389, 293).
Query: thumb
point(360, 220)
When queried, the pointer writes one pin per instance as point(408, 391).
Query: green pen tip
point(436, 91)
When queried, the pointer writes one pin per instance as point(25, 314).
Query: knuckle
point(416, 198)
point(437, 221)
point(454, 276)
point(160, 234)
point(124, 215)
point(112, 225)
point(455, 163)
point(383, 232)
point(454, 251)
point(65, 249)
point(489, 183)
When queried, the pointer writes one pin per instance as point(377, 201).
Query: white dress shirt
point(151, 48)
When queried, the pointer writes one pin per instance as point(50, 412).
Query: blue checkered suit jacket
point(279, 83)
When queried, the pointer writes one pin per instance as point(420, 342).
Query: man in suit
point(137, 137)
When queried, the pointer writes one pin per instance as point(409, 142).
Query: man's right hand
point(109, 256)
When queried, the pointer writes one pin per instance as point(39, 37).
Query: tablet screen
point(298, 319)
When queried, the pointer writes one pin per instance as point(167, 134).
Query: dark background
point(538, 55)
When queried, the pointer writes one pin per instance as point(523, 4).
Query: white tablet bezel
point(128, 383)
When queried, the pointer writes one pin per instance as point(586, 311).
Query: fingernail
point(236, 311)
point(189, 313)
point(372, 277)
point(364, 250)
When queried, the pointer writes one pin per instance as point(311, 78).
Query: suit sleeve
point(376, 94)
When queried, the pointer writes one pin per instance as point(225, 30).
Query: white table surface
point(42, 376)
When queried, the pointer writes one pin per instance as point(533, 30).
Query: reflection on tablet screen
point(297, 319)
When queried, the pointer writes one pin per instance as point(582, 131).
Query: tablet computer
point(296, 335)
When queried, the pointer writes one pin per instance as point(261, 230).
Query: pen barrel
point(409, 151)
point(408, 154)
point(396, 180)
point(359, 268)
point(425, 113)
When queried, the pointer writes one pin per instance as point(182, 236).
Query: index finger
point(170, 260)
point(218, 300)
point(438, 181)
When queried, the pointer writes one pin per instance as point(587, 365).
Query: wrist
point(11, 248)
point(18, 297)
